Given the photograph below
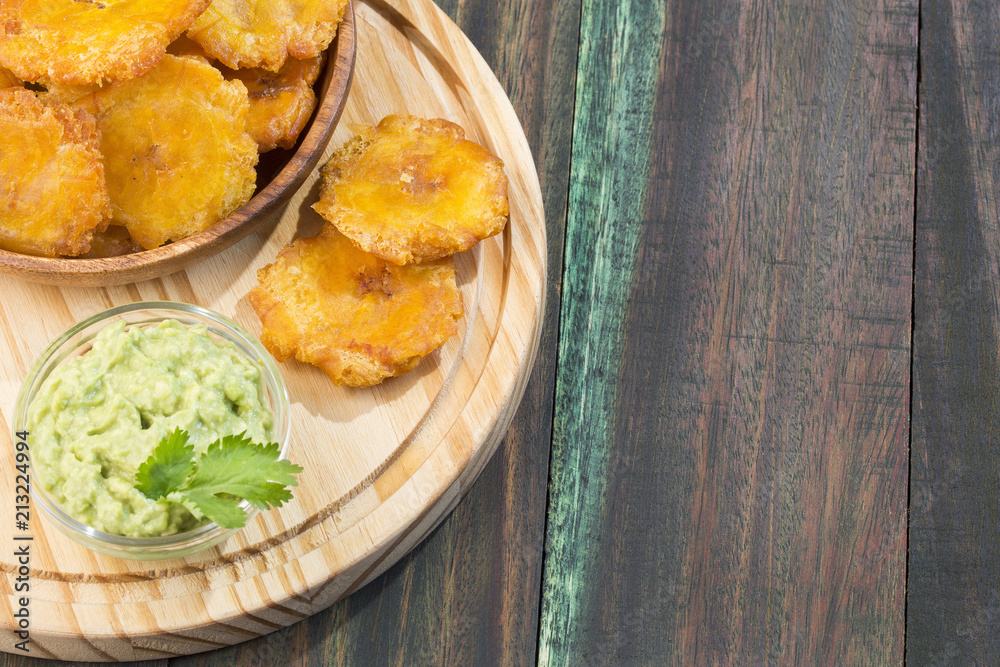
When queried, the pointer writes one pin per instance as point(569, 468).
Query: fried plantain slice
point(56, 93)
point(51, 177)
point(112, 242)
point(7, 79)
point(412, 190)
point(304, 69)
point(177, 152)
point(185, 46)
point(355, 316)
point(280, 102)
point(74, 42)
point(263, 33)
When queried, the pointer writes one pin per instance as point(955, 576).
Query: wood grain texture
point(953, 609)
point(469, 593)
point(286, 171)
point(729, 462)
point(383, 466)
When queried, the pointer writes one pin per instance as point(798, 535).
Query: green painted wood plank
point(619, 56)
point(953, 611)
point(729, 462)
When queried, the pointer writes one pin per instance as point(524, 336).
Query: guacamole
point(98, 416)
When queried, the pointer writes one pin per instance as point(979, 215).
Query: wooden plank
point(729, 462)
point(953, 608)
point(469, 593)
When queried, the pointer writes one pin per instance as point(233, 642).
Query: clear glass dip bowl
point(77, 341)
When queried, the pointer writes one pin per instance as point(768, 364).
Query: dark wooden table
point(761, 428)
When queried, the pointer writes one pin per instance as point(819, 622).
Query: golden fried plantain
point(185, 46)
point(355, 316)
point(280, 102)
point(112, 242)
point(412, 190)
point(56, 93)
point(7, 79)
point(51, 177)
point(177, 152)
point(74, 42)
point(263, 33)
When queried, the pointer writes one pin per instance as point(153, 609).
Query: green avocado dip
point(98, 416)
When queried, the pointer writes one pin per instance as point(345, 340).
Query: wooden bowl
point(282, 170)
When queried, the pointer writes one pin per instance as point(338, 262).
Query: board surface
point(382, 466)
point(954, 547)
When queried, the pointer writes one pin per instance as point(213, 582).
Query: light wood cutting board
point(383, 466)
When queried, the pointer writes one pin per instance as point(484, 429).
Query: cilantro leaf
point(223, 510)
point(233, 468)
point(167, 468)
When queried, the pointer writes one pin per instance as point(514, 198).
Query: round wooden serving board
point(383, 466)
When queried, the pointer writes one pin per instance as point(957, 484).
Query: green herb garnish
point(232, 469)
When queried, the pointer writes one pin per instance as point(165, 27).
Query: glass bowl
point(75, 342)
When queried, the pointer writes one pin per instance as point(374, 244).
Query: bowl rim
point(172, 257)
point(188, 541)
